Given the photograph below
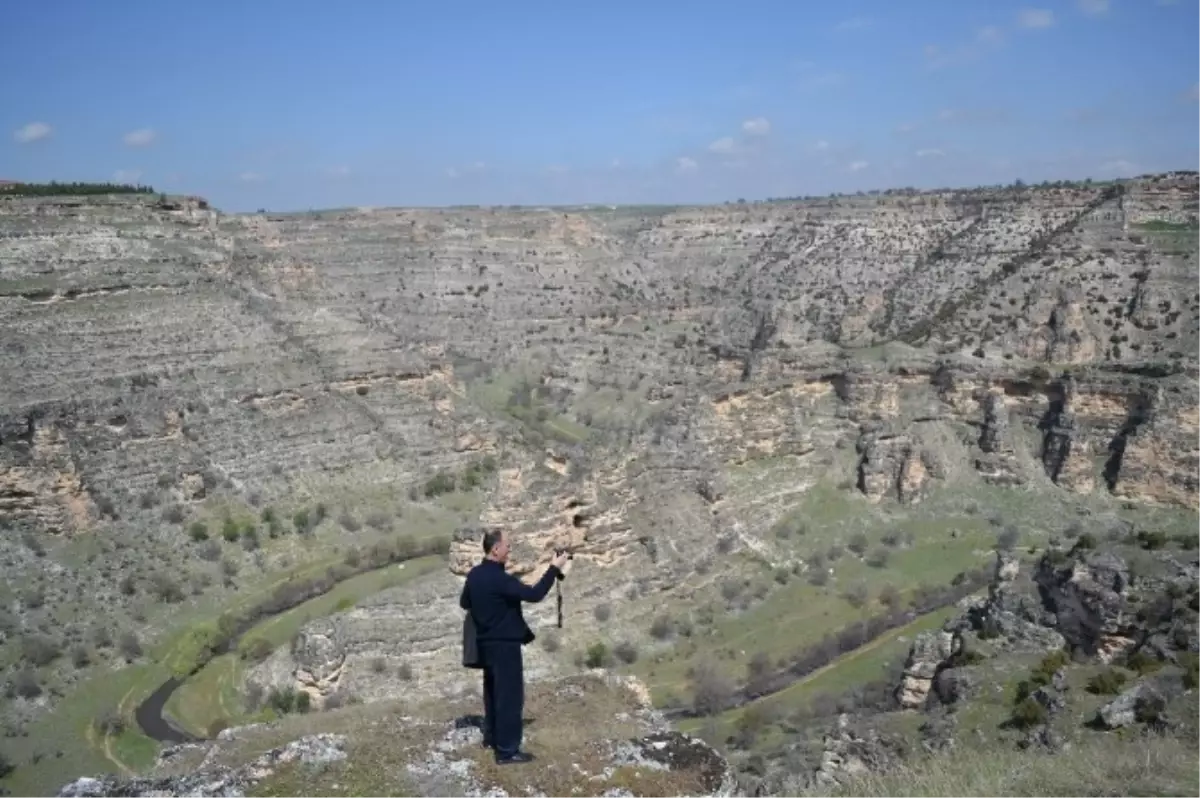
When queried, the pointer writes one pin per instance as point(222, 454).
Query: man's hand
point(560, 562)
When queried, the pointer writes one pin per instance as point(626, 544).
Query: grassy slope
point(1098, 765)
point(215, 692)
point(69, 729)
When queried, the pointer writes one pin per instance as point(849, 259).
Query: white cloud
point(685, 164)
point(930, 152)
point(143, 137)
point(558, 169)
point(758, 126)
point(34, 131)
point(1093, 8)
point(904, 128)
point(250, 177)
point(338, 171)
point(616, 164)
point(987, 39)
point(724, 146)
point(127, 175)
point(1035, 18)
point(821, 144)
point(858, 166)
point(990, 34)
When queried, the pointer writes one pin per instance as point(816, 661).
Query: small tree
point(711, 689)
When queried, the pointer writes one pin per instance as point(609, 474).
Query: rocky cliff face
point(623, 370)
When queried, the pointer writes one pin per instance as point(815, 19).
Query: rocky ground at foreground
point(591, 735)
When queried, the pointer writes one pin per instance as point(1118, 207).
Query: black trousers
point(503, 695)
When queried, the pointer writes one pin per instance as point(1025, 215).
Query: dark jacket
point(493, 597)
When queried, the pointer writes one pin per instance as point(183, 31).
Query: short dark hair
point(490, 539)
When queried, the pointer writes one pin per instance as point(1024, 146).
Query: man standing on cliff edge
point(493, 598)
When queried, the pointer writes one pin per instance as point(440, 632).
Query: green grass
point(1095, 765)
point(857, 667)
point(494, 395)
point(215, 692)
point(796, 615)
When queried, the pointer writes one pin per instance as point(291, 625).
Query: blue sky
point(292, 104)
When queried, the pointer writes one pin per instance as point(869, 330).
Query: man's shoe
point(515, 759)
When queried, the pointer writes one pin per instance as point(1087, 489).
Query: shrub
point(731, 589)
point(217, 726)
point(101, 637)
point(1107, 682)
point(439, 484)
point(890, 597)
point(301, 521)
point(166, 589)
point(1187, 542)
point(758, 671)
point(25, 683)
point(725, 544)
point(39, 650)
point(80, 656)
point(283, 699)
point(1190, 662)
point(230, 530)
point(198, 531)
point(405, 672)
point(1086, 541)
point(1151, 540)
point(1007, 540)
point(782, 575)
point(818, 577)
point(878, 558)
point(662, 627)
point(893, 538)
point(129, 646)
point(551, 642)
point(597, 655)
point(1142, 663)
point(378, 665)
point(256, 649)
point(253, 696)
point(109, 722)
point(856, 595)
point(626, 652)
point(964, 656)
point(602, 612)
point(835, 552)
point(858, 543)
point(711, 690)
point(349, 522)
point(1028, 712)
point(173, 514)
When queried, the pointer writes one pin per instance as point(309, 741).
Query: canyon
point(666, 391)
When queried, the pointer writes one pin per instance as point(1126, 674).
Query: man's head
point(495, 545)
